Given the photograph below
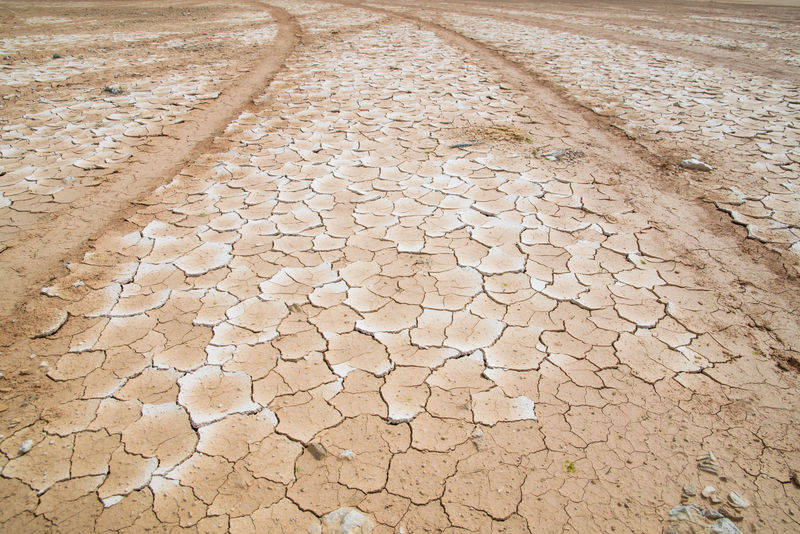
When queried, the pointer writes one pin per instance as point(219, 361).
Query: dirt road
point(409, 267)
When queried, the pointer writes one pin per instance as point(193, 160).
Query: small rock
point(712, 514)
point(708, 491)
point(347, 454)
point(715, 499)
point(690, 490)
point(734, 514)
point(694, 164)
point(686, 519)
point(317, 450)
point(708, 455)
point(564, 154)
point(795, 475)
point(477, 433)
point(56, 56)
point(724, 526)
point(737, 500)
point(687, 512)
point(111, 501)
point(347, 521)
point(465, 145)
point(708, 463)
point(25, 446)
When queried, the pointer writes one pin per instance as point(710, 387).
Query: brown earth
point(434, 262)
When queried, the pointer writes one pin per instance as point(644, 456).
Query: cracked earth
point(302, 266)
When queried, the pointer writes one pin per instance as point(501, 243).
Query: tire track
point(689, 225)
point(36, 256)
point(705, 54)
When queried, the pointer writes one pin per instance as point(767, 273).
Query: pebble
point(347, 454)
point(707, 456)
point(694, 164)
point(724, 526)
point(25, 446)
point(111, 501)
point(737, 500)
point(690, 490)
point(690, 518)
point(708, 491)
point(567, 154)
point(707, 462)
point(317, 450)
point(464, 145)
point(733, 514)
point(687, 512)
point(347, 521)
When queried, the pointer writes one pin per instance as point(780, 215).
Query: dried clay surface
point(399, 267)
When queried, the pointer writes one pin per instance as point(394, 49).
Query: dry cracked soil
point(399, 267)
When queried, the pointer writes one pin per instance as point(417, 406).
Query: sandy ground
point(301, 266)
